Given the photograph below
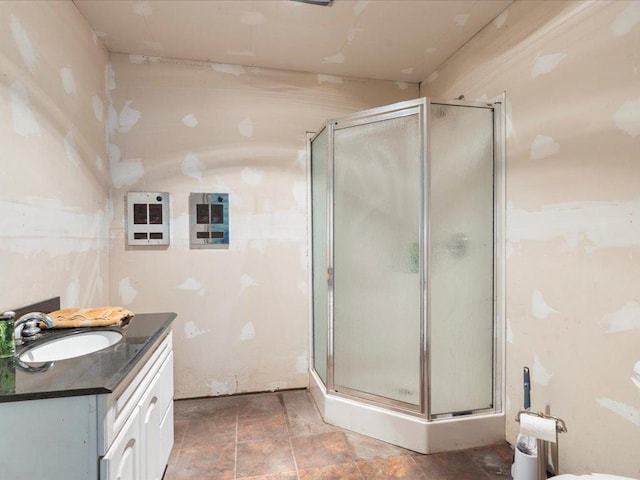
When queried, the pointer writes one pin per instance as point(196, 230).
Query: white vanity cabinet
point(124, 435)
point(137, 423)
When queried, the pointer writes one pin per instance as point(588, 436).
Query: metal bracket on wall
point(147, 218)
point(208, 220)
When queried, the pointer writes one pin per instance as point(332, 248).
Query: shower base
point(407, 431)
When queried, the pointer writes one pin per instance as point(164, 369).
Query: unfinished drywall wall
point(183, 127)
point(571, 72)
point(53, 179)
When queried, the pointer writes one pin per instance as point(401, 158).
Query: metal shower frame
point(420, 107)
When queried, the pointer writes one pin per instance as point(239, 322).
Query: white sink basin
point(71, 346)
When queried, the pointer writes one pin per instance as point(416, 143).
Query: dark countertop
point(96, 373)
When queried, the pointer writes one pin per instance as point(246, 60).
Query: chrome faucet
point(28, 325)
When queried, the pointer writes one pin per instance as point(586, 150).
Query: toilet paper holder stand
point(561, 427)
point(541, 445)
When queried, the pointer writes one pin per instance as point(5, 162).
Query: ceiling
point(398, 40)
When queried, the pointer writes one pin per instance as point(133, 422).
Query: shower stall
point(407, 315)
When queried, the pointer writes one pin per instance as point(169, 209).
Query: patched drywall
point(184, 127)
point(570, 72)
point(53, 184)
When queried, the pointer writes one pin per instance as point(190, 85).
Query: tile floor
point(281, 436)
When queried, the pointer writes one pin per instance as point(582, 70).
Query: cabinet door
point(122, 460)
point(165, 383)
point(166, 428)
point(150, 418)
point(165, 391)
point(155, 432)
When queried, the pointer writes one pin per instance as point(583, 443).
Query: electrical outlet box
point(147, 218)
point(208, 220)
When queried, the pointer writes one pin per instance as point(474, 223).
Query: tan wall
point(571, 72)
point(184, 127)
point(53, 171)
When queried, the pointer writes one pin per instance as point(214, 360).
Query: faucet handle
point(28, 325)
point(31, 328)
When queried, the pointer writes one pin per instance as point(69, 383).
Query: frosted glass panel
point(319, 172)
point(461, 258)
point(376, 278)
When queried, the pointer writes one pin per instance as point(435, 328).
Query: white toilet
point(591, 476)
point(603, 476)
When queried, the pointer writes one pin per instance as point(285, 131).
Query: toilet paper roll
point(538, 427)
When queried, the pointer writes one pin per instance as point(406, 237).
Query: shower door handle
point(330, 277)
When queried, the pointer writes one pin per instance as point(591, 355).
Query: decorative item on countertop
point(91, 317)
point(7, 339)
point(8, 375)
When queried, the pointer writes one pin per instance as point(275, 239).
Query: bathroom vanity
point(105, 415)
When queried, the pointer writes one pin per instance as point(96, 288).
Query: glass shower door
point(461, 258)
point(377, 287)
point(319, 201)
